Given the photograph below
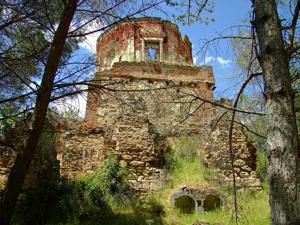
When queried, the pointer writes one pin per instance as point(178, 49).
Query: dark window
point(211, 202)
point(185, 204)
point(199, 203)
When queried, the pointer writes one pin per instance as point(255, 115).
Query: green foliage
point(183, 149)
point(261, 165)
point(8, 123)
point(110, 182)
point(25, 43)
point(191, 12)
point(56, 196)
point(76, 202)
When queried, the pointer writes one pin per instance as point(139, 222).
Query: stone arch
point(185, 204)
point(211, 202)
point(196, 199)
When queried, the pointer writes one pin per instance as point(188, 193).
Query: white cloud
point(219, 60)
point(75, 104)
point(90, 40)
point(195, 60)
point(209, 59)
point(223, 62)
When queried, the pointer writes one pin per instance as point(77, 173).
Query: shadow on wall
point(44, 166)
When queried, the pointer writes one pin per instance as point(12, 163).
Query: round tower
point(143, 39)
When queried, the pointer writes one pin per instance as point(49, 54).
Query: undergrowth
point(105, 198)
point(188, 168)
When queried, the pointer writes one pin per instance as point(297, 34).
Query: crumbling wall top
point(157, 71)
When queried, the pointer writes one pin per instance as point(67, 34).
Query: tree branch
point(293, 28)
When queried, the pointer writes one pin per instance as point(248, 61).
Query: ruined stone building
point(146, 91)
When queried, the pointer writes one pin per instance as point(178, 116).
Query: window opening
point(199, 203)
point(151, 54)
point(152, 50)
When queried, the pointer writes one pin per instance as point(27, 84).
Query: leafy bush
point(110, 182)
point(86, 199)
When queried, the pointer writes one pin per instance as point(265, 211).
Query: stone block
point(126, 157)
point(244, 174)
point(246, 168)
point(155, 185)
point(122, 163)
point(239, 163)
point(139, 164)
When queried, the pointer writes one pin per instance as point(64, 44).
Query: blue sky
point(226, 13)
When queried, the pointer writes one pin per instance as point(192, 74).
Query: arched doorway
point(186, 204)
point(211, 202)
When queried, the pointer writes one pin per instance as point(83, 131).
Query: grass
point(253, 210)
point(188, 168)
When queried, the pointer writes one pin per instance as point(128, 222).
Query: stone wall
point(153, 80)
point(217, 155)
point(134, 118)
point(84, 153)
point(44, 166)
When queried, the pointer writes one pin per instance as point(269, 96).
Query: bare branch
point(293, 27)
point(225, 106)
point(116, 22)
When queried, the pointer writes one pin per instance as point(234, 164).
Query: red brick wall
point(112, 43)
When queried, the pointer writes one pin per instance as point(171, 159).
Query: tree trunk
point(282, 141)
point(24, 158)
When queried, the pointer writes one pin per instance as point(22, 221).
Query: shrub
point(85, 199)
point(109, 183)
